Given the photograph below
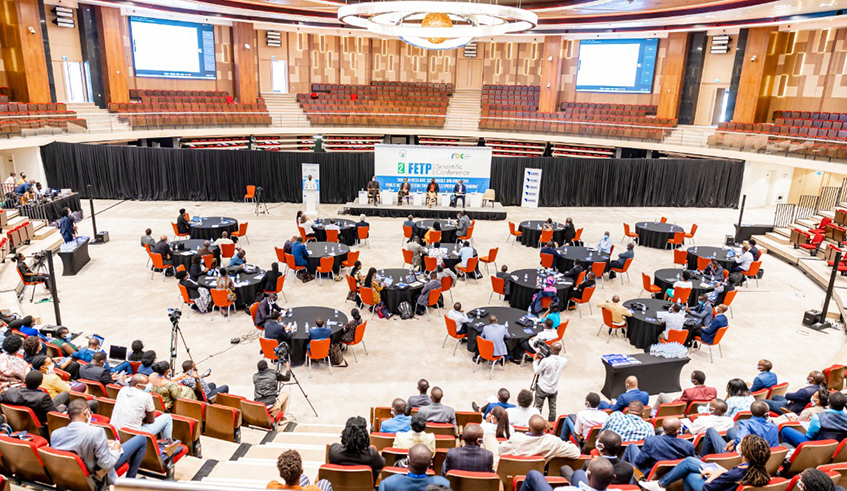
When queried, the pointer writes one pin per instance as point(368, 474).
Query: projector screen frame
point(207, 62)
point(647, 55)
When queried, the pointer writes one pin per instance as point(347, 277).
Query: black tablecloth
point(710, 252)
point(73, 260)
point(451, 259)
point(570, 253)
point(665, 278)
point(448, 232)
point(347, 234)
point(747, 231)
point(655, 234)
point(51, 210)
point(531, 232)
point(185, 256)
point(317, 250)
point(655, 375)
point(245, 294)
point(212, 227)
point(392, 296)
point(522, 290)
point(643, 328)
point(300, 338)
point(504, 314)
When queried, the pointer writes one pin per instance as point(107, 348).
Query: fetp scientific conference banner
point(420, 164)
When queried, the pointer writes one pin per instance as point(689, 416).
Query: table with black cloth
point(212, 228)
point(747, 231)
point(643, 328)
point(190, 246)
point(451, 259)
point(711, 252)
point(655, 375)
point(74, 255)
point(347, 234)
point(503, 314)
point(584, 254)
point(448, 232)
point(300, 338)
point(52, 210)
point(317, 250)
point(656, 234)
point(245, 295)
point(522, 290)
point(665, 278)
point(393, 295)
point(531, 231)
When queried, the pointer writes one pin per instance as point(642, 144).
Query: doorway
point(719, 106)
point(279, 76)
point(75, 86)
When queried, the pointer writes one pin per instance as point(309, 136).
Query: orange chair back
point(719, 335)
point(469, 234)
point(242, 230)
point(359, 334)
point(331, 235)
point(219, 297)
point(446, 283)
point(580, 278)
point(434, 236)
point(227, 250)
point(207, 260)
point(561, 332)
point(253, 309)
point(693, 231)
point(302, 233)
point(598, 268)
point(434, 295)
point(147, 248)
point(676, 336)
point(625, 266)
point(626, 230)
point(486, 349)
point(452, 331)
point(326, 264)
point(730, 296)
point(702, 262)
point(184, 292)
point(681, 294)
point(181, 267)
point(430, 263)
point(491, 257)
point(367, 295)
point(754, 268)
point(546, 236)
point(498, 285)
point(607, 318)
point(363, 232)
point(546, 260)
point(268, 348)
point(176, 230)
point(680, 256)
point(251, 192)
point(352, 257)
point(578, 235)
point(408, 256)
point(408, 231)
point(678, 237)
point(351, 283)
point(158, 263)
point(512, 229)
point(280, 282)
point(280, 255)
point(290, 261)
point(319, 348)
point(472, 262)
point(664, 220)
point(586, 295)
point(646, 283)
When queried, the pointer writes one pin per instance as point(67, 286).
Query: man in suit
point(97, 371)
point(702, 312)
point(373, 190)
point(32, 397)
point(96, 451)
point(629, 253)
point(162, 247)
point(575, 271)
point(830, 424)
point(507, 280)
point(765, 379)
point(633, 393)
point(430, 285)
point(274, 330)
point(435, 412)
point(301, 254)
point(758, 425)
point(432, 193)
point(471, 457)
point(416, 479)
point(463, 223)
point(550, 248)
point(697, 393)
point(318, 333)
point(660, 447)
point(266, 306)
point(796, 401)
point(608, 444)
point(459, 191)
point(404, 191)
point(579, 289)
point(182, 222)
point(206, 250)
point(496, 333)
point(707, 334)
point(421, 399)
point(66, 225)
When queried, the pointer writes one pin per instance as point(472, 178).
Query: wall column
point(244, 52)
point(23, 51)
point(112, 56)
point(673, 72)
point(551, 74)
point(757, 73)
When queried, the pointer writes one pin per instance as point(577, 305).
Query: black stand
point(824, 323)
point(175, 330)
point(279, 364)
point(740, 217)
point(51, 270)
point(261, 208)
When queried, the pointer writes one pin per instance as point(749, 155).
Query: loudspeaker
point(811, 317)
point(102, 237)
point(730, 240)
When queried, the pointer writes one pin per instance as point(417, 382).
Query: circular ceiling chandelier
point(437, 24)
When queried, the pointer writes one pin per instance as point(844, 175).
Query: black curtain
point(221, 175)
point(622, 182)
point(117, 172)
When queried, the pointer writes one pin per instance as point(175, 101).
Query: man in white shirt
point(459, 317)
point(332, 225)
point(605, 244)
point(520, 414)
point(307, 224)
point(134, 409)
point(548, 370)
point(538, 442)
point(310, 184)
point(675, 319)
point(743, 261)
point(589, 417)
point(224, 239)
point(684, 282)
point(715, 419)
point(9, 184)
point(465, 253)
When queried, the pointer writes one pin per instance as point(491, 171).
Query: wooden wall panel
point(469, 73)
point(64, 43)
point(298, 62)
point(24, 59)
point(324, 59)
point(673, 71)
point(717, 74)
point(385, 59)
point(112, 56)
point(500, 63)
point(355, 62)
point(246, 88)
point(441, 66)
point(267, 54)
point(551, 74)
point(757, 73)
point(414, 63)
point(528, 69)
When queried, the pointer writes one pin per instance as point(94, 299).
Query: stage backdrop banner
point(421, 163)
point(531, 188)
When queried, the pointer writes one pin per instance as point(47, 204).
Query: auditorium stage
point(485, 213)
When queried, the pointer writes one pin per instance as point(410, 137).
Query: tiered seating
point(189, 96)
point(511, 97)
point(16, 118)
point(436, 141)
point(377, 104)
point(516, 148)
point(233, 143)
point(813, 139)
point(349, 143)
point(637, 127)
point(190, 110)
point(601, 109)
point(592, 152)
point(302, 143)
point(19, 234)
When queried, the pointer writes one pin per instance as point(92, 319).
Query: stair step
point(777, 237)
point(45, 232)
point(298, 437)
point(14, 222)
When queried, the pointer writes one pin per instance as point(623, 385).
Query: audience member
point(629, 253)
point(286, 247)
point(599, 474)
point(714, 271)
point(608, 445)
point(633, 393)
point(147, 361)
point(793, 401)
point(27, 274)
point(507, 280)
point(758, 424)
point(630, 425)
point(301, 256)
point(348, 332)
point(538, 442)
point(519, 416)
point(465, 254)
point(435, 412)
point(205, 249)
point(398, 421)
point(738, 397)
point(134, 409)
point(569, 232)
point(417, 249)
point(32, 397)
point(666, 446)
point(817, 480)
point(618, 311)
point(97, 371)
point(169, 388)
point(290, 467)
point(137, 351)
point(182, 222)
point(459, 317)
point(684, 282)
point(271, 278)
point(754, 251)
point(581, 423)
point(765, 379)
point(579, 290)
point(702, 312)
point(416, 479)
point(674, 320)
point(605, 244)
point(548, 369)
point(266, 387)
point(503, 396)
point(471, 457)
point(423, 298)
point(496, 333)
point(575, 270)
point(829, 424)
point(421, 399)
point(715, 419)
point(239, 259)
point(162, 247)
point(707, 334)
point(697, 393)
point(265, 308)
point(195, 381)
point(56, 388)
point(147, 238)
point(355, 447)
point(223, 239)
point(87, 354)
point(12, 368)
point(549, 291)
point(415, 434)
point(550, 248)
point(318, 333)
point(463, 223)
point(743, 261)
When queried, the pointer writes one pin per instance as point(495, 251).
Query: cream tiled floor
point(114, 296)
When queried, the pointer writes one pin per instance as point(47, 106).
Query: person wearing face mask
point(629, 253)
point(765, 379)
point(62, 340)
point(96, 451)
point(32, 397)
point(697, 393)
point(399, 421)
point(96, 370)
point(134, 409)
point(702, 312)
point(581, 423)
point(605, 244)
point(56, 388)
point(716, 419)
point(471, 457)
point(609, 445)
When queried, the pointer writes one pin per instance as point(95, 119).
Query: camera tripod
point(260, 207)
point(279, 364)
point(175, 330)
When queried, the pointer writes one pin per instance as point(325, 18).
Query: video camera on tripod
point(283, 352)
point(541, 347)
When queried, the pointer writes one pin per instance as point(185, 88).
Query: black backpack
point(405, 310)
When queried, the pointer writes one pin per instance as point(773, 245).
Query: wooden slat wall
point(112, 57)
point(246, 67)
point(754, 86)
point(673, 71)
point(551, 74)
point(23, 52)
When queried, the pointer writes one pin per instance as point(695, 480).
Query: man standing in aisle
point(548, 371)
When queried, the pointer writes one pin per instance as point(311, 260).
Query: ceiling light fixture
point(437, 24)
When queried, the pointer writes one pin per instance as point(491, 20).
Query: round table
point(665, 278)
point(190, 246)
point(347, 234)
point(643, 328)
point(531, 232)
point(393, 295)
point(317, 250)
point(245, 294)
point(448, 231)
point(211, 228)
point(451, 259)
point(523, 287)
point(517, 335)
point(718, 253)
point(655, 234)
point(584, 254)
point(300, 338)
